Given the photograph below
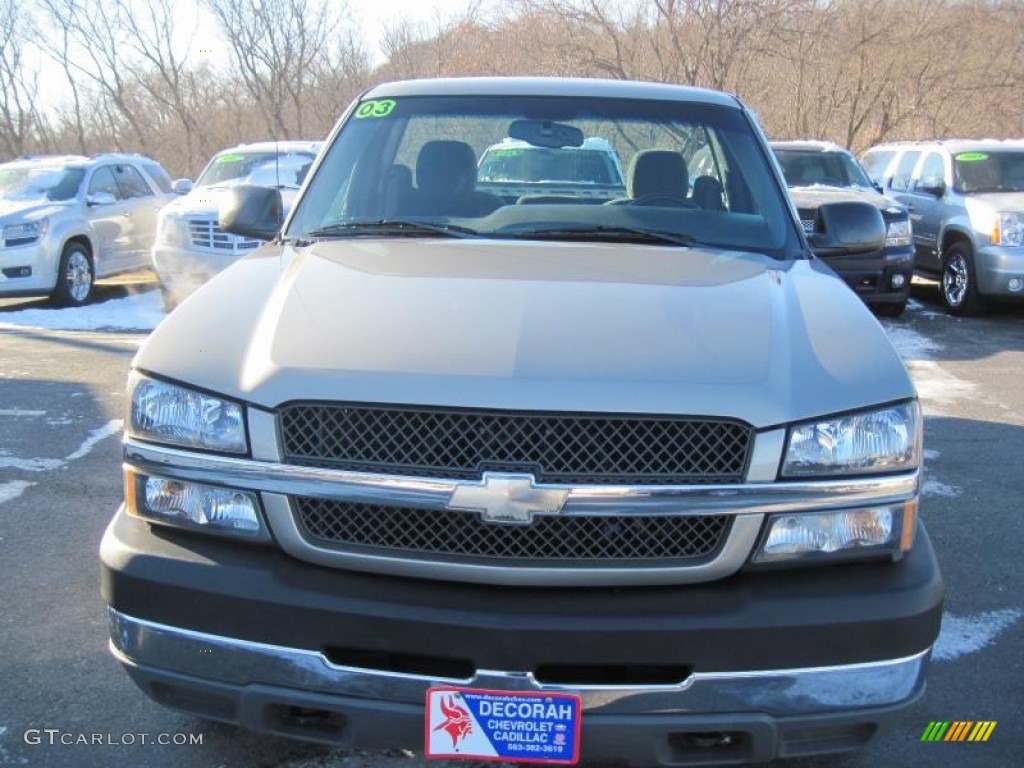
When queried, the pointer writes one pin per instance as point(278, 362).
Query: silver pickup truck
point(551, 481)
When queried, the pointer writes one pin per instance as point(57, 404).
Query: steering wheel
point(662, 198)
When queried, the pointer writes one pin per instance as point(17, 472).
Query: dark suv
point(818, 172)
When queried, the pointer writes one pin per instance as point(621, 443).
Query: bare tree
point(19, 84)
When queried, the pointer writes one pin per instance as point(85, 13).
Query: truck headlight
point(898, 234)
point(25, 232)
point(883, 440)
point(1009, 228)
point(168, 413)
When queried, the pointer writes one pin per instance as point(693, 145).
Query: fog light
point(194, 506)
point(898, 281)
point(1016, 284)
point(852, 531)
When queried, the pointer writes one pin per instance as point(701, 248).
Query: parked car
point(555, 481)
point(190, 247)
point(820, 172)
point(966, 202)
point(516, 170)
point(68, 220)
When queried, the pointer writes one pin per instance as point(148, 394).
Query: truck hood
point(809, 198)
point(205, 201)
point(534, 326)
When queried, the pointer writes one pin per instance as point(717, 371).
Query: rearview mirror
point(252, 211)
point(847, 228)
point(545, 133)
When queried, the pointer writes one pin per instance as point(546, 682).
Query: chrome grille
point(403, 531)
point(205, 234)
point(554, 447)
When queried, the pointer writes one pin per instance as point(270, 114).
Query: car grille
point(554, 447)
point(205, 234)
point(403, 531)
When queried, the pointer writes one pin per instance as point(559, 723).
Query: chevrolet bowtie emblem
point(508, 498)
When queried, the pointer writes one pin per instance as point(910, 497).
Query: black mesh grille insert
point(406, 530)
point(554, 447)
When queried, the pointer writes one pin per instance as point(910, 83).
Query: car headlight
point(898, 234)
point(1009, 228)
point(168, 413)
point(170, 230)
point(26, 232)
point(882, 440)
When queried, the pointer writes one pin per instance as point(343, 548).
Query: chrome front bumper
point(783, 693)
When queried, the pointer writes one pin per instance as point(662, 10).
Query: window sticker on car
point(505, 152)
point(378, 108)
point(229, 158)
point(971, 157)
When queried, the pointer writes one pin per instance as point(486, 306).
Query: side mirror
point(877, 186)
point(100, 198)
point(931, 186)
point(847, 228)
point(252, 211)
point(181, 186)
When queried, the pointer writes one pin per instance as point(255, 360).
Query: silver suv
point(966, 203)
point(67, 220)
point(190, 248)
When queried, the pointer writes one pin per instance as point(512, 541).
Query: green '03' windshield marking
point(229, 158)
point(376, 108)
point(971, 157)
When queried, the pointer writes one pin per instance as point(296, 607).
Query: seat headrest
point(658, 172)
point(446, 167)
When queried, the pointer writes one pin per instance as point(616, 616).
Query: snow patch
point(140, 312)
point(931, 454)
point(962, 635)
point(46, 465)
point(909, 343)
point(937, 387)
point(935, 488)
point(13, 489)
point(7, 461)
point(100, 433)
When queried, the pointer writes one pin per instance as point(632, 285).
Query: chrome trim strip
point(779, 692)
point(766, 456)
point(730, 558)
point(434, 493)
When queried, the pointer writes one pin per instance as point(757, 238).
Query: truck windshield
point(265, 169)
point(522, 167)
point(989, 171)
point(832, 169)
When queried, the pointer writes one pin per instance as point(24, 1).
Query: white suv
point(190, 247)
point(67, 220)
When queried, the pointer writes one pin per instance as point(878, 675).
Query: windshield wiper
point(390, 226)
point(602, 232)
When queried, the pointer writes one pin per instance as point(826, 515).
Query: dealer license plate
point(502, 725)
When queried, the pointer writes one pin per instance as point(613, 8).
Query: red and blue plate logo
point(500, 725)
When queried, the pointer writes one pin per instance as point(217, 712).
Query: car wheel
point(894, 309)
point(958, 285)
point(76, 277)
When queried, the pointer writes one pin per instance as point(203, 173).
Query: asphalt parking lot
point(61, 386)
